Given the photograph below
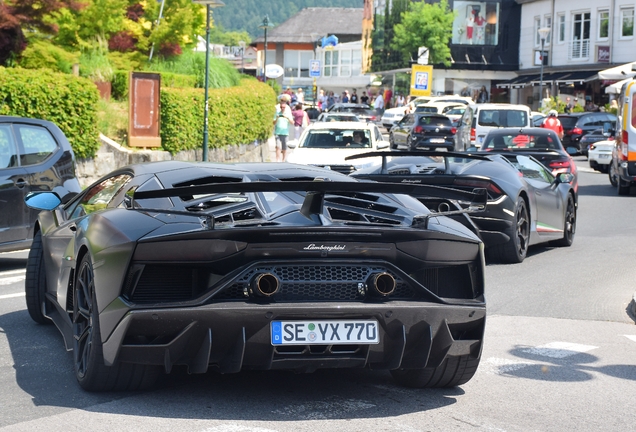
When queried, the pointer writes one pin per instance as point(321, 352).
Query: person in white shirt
point(300, 96)
point(378, 104)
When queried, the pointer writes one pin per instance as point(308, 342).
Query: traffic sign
point(314, 68)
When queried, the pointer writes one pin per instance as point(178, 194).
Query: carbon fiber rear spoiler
point(316, 190)
point(443, 154)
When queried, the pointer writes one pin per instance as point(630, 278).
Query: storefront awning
point(519, 82)
point(616, 87)
point(549, 78)
point(618, 72)
point(577, 77)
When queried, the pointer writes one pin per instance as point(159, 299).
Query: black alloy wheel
point(410, 143)
point(91, 372)
point(516, 249)
point(569, 226)
point(613, 177)
point(392, 142)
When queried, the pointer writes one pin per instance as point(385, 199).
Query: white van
point(478, 119)
point(622, 170)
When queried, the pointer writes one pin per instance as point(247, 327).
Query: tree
point(30, 15)
point(429, 25)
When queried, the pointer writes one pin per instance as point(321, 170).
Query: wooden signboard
point(143, 117)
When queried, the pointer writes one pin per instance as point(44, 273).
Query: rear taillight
point(559, 164)
point(418, 129)
point(454, 130)
point(624, 137)
point(577, 131)
point(372, 118)
point(591, 147)
point(495, 192)
point(473, 134)
point(562, 166)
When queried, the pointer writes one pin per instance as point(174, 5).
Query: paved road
point(559, 354)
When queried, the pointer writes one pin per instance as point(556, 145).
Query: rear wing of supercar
point(316, 190)
point(393, 154)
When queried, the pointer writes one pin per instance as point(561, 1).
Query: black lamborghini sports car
point(527, 204)
point(257, 266)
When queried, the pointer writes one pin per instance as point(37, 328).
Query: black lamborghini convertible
point(257, 266)
point(527, 204)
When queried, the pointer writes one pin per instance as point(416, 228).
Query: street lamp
point(242, 45)
point(265, 25)
point(209, 4)
point(543, 34)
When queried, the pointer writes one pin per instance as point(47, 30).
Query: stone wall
point(112, 156)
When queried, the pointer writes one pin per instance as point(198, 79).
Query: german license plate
point(604, 156)
point(325, 332)
point(437, 140)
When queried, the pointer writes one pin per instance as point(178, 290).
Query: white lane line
point(12, 272)
point(632, 337)
point(559, 350)
point(8, 296)
point(12, 280)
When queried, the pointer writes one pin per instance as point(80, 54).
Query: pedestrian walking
point(354, 97)
point(568, 105)
point(378, 104)
point(301, 120)
point(282, 121)
point(300, 96)
point(364, 98)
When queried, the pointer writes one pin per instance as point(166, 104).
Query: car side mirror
point(292, 144)
point(383, 145)
point(564, 178)
point(42, 200)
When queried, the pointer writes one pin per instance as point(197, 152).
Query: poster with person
point(476, 23)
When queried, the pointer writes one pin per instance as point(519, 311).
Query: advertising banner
point(421, 80)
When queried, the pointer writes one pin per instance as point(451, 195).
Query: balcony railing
point(579, 49)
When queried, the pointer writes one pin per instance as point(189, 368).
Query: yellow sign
point(421, 80)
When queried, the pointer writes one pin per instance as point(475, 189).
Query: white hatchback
point(328, 144)
point(600, 155)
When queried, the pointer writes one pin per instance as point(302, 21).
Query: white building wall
point(563, 53)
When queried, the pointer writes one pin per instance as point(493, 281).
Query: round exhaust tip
point(382, 283)
point(265, 284)
point(443, 207)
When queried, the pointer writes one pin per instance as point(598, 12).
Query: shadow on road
point(598, 190)
point(44, 370)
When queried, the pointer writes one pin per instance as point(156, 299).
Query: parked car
point(363, 111)
point(436, 107)
point(526, 205)
point(600, 155)
point(537, 118)
point(423, 131)
point(339, 116)
point(455, 113)
point(393, 115)
point(596, 135)
point(575, 125)
point(543, 144)
point(326, 144)
point(227, 267)
point(479, 119)
point(34, 156)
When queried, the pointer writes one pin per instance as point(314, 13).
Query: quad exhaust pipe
point(443, 207)
point(381, 283)
point(265, 284)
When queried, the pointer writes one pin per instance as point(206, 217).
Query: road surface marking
point(632, 337)
point(8, 296)
point(12, 272)
point(12, 280)
point(559, 350)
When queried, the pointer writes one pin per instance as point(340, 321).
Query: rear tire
point(613, 178)
point(516, 249)
point(623, 186)
point(392, 142)
point(569, 227)
point(35, 282)
point(88, 359)
point(452, 372)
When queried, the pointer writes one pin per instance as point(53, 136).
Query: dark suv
point(34, 156)
point(575, 125)
point(423, 132)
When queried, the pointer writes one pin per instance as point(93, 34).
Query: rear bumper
point(422, 143)
point(232, 336)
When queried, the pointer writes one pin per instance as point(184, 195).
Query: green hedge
point(68, 101)
point(237, 115)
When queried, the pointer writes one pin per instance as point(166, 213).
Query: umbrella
point(618, 72)
point(616, 87)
